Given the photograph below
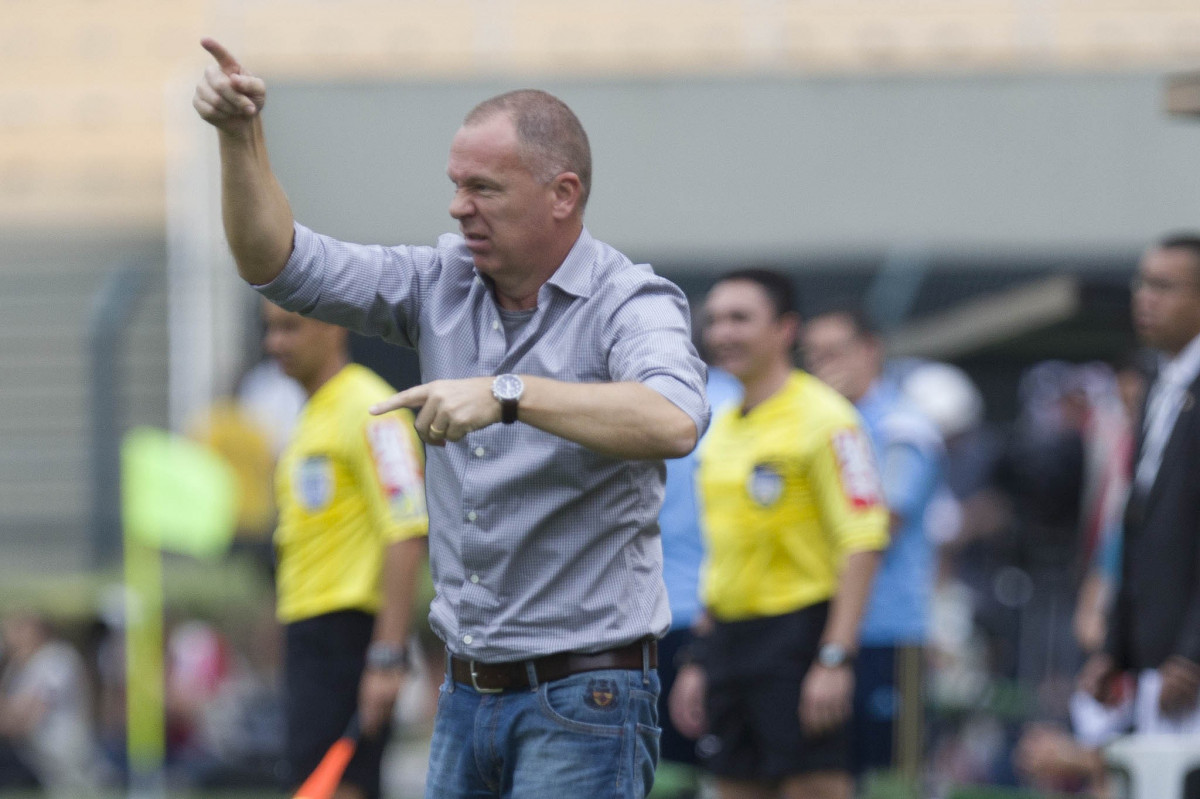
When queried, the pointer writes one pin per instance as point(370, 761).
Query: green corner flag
point(175, 495)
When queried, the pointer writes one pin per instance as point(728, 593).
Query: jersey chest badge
point(765, 485)
point(314, 482)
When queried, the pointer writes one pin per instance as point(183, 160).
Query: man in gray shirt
point(557, 376)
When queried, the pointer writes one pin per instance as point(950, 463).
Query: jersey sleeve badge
point(856, 469)
point(396, 465)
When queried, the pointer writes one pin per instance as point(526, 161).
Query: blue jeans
point(594, 735)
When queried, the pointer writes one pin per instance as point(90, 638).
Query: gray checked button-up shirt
point(537, 544)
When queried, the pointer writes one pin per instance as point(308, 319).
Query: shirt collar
point(574, 275)
point(1184, 367)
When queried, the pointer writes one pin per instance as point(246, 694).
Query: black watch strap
point(508, 411)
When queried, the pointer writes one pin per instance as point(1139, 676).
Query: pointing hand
point(227, 96)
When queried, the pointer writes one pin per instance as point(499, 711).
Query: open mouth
point(477, 244)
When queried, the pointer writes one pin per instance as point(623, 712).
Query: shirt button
point(472, 516)
point(475, 578)
point(467, 639)
point(495, 324)
point(480, 452)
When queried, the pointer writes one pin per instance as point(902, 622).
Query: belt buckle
point(475, 681)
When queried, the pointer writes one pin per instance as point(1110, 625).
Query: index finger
point(225, 60)
point(410, 398)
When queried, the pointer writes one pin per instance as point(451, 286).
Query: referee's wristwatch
point(833, 655)
point(383, 656)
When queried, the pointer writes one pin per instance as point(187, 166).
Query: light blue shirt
point(537, 544)
point(683, 545)
point(911, 453)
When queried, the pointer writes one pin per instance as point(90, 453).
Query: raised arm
point(256, 212)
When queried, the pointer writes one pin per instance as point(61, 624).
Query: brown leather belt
point(513, 676)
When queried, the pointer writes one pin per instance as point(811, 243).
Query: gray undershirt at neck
point(514, 322)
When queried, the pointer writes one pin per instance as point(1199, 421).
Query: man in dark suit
point(1154, 626)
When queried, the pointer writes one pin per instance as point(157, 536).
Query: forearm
point(401, 570)
point(257, 216)
point(846, 609)
point(622, 420)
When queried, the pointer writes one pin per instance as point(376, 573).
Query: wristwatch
point(507, 389)
point(384, 656)
point(832, 655)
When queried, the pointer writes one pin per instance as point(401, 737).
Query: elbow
point(262, 255)
point(259, 270)
point(680, 439)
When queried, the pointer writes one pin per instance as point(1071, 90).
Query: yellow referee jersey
point(789, 490)
point(348, 485)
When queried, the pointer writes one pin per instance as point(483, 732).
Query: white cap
point(946, 395)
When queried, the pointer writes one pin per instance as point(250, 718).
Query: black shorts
point(755, 669)
point(324, 663)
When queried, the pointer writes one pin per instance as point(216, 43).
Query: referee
point(349, 546)
point(794, 521)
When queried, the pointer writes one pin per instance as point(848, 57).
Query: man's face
point(302, 346)
point(504, 212)
point(838, 356)
point(1166, 299)
point(742, 333)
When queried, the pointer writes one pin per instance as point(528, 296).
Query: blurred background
point(982, 174)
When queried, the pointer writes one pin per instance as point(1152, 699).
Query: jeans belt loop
point(475, 682)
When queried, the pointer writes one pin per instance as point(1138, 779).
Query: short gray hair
point(551, 136)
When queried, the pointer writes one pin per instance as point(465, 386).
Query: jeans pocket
point(648, 746)
point(595, 702)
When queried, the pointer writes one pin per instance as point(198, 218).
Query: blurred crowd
point(63, 711)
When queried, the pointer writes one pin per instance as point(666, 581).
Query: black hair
point(854, 313)
point(1183, 241)
point(777, 286)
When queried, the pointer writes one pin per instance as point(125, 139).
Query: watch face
point(831, 655)
point(507, 387)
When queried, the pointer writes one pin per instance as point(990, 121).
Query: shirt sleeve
point(847, 491)
point(391, 470)
point(370, 289)
point(650, 337)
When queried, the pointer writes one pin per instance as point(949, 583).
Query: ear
point(567, 190)
point(790, 323)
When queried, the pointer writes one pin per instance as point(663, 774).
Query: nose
point(715, 333)
point(460, 205)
